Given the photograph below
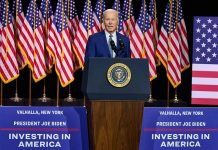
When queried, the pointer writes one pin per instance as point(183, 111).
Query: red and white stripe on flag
point(149, 53)
point(128, 17)
point(49, 62)
point(168, 51)
point(205, 62)
point(73, 26)
point(141, 46)
point(8, 62)
point(185, 64)
point(60, 47)
point(46, 17)
point(79, 44)
point(98, 14)
point(205, 84)
point(141, 41)
point(31, 42)
point(129, 25)
point(72, 17)
point(168, 46)
point(136, 43)
point(32, 46)
point(86, 28)
point(18, 20)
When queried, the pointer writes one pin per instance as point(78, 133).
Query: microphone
point(122, 46)
point(113, 46)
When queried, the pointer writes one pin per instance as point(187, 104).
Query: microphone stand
point(114, 48)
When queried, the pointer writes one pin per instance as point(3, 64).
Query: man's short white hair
point(110, 11)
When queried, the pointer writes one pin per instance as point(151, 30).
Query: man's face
point(110, 21)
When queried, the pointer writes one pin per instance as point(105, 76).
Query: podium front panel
point(96, 85)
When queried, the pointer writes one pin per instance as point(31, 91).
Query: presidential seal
point(119, 75)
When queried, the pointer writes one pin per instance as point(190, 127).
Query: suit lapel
point(118, 37)
point(104, 42)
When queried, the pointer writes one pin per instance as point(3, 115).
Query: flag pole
point(62, 52)
point(169, 54)
point(69, 99)
point(118, 15)
point(101, 15)
point(16, 98)
point(170, 23)
point(168, 93)
point(6, 16)
point(84, 99)
point(175, 99)
point(1, 103)
point(44, 98)
point(30, 88)
point(88, 17)
point(129, 11)
point(155, 25)
point(88, 29)
point(151, 99)
point(118, 2)
point(57, 102)
point(155, 31)
point(30, 73)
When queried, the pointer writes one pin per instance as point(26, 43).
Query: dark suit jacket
point(97, 46)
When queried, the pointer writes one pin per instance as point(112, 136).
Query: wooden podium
point(115, 114)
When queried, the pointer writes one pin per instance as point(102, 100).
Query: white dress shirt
point(114, 38)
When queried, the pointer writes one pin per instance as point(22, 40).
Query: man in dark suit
point(108, 43)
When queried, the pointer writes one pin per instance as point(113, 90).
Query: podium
point(115, 90)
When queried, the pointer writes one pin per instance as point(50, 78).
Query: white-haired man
point(108, 43)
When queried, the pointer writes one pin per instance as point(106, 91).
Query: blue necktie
point(110, 39)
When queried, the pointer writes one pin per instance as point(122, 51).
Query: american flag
point(18, 20)
point(128, 17)
point(46, 16)
point(86, 28)
point(154, 23)
point(60, 47)
point(168, 48)
point(205, 61)
point(183, 38)
point(141, 40)
point(0, 31)
point(98, 15)
point(8, 63)
point(0, 25)
point(72, 17)
point(116, 6)
point(31, 42)
point(73, 23)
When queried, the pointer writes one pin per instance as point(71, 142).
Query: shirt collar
point(107, 34)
